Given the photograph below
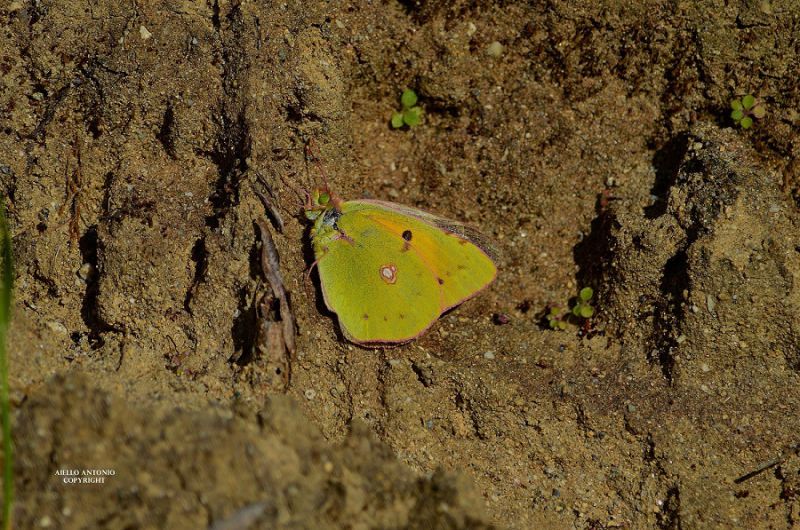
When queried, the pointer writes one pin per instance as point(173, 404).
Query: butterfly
point(389, 271)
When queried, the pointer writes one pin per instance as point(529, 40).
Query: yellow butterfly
point(389, 271)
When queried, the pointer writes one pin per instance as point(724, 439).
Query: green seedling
point(556, 319)
point(579, 314)
point(410, 113)
point(745, 109)
point(582, 309)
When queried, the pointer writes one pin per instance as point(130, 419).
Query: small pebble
point(57, 327)
point(631, 407)
point(705, 368)
point(494, 49)
point(488, 355)
point(310, 394)
point(501, 319)
point(86, 271)
point(143, 33)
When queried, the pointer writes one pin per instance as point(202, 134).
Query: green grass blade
point(6, 286)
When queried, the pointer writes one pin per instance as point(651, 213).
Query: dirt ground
point(593, 145)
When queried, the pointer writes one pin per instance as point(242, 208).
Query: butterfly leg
point(311, 268)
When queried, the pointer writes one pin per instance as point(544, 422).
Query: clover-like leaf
point(397, 120)
point(748, 101)
point(746, 122)
point(408, 99)
point(412, 116)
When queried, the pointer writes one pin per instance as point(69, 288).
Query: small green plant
point(6, 286)
point(558, 318)
point(555, 319)
point(582, 309)
point(745, 109)
point(410, 114)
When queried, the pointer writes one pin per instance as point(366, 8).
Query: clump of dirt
point(223, 465)
point(141, 143)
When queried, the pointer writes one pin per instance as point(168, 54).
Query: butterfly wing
point(461, 230)
point(457, 254)
point(378, 292)
point(388, 275)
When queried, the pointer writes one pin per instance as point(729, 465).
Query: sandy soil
point(595, 149)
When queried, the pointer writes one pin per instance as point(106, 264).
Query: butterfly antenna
point(312, 151)
point(299, 192)
point(280, 154)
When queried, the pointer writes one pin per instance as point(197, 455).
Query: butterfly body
point(389, 271)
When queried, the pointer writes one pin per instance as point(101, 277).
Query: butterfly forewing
point(458, 266)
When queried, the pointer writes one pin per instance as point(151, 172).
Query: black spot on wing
point(441, 281)
point(407, 235)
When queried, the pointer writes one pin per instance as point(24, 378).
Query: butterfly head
point(320, 201)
